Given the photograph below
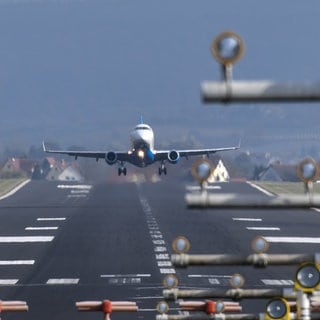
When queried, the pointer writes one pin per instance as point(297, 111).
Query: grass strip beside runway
point(6, 185)
point(286, 187)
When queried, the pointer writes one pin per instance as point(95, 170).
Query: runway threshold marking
point(16, 262)
point(276, 282)
point(24, 239)
point(63, 281)
point(292, 239)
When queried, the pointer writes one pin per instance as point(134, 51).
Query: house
point(279, 172)
point(63, 171)
point(18, 166)
point(220, 173)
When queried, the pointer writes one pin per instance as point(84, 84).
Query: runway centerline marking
point(159, 245)
point(24, 239)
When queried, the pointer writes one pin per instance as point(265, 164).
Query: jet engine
point(173, 156)
point(111, 157)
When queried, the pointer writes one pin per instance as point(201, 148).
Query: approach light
point(227, 48)
point(202, 170)
point(260, 245)
point(307, 277)
point(170, 281)
point(162, 307)
point(308, 170)
point(237, 281)
point(141, 154)
point(278, 308)
point(181, 245)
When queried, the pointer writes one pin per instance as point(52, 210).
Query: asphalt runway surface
point(65, 242)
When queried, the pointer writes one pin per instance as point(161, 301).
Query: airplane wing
point(163, 154)
point(121, 156)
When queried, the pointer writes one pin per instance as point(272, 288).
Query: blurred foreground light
point(277, 308)
point(181, 245)
point(202, 170)
point(260, 245)
point(162, 307)
point(308, 170)
point(170, 281)
point(227, 48)
point(307, 277)
point(237, 281)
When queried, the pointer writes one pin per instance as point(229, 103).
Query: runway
point(66, 242)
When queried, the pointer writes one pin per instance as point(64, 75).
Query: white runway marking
point(164, 263)
point(51, 219)
point(63, 281)
point(8, 282)
point(76, 186)
point(162, 256)
point(76, 195)
point(40, 228)
point(261, 189)
point(80, 191)
point(292, 239)
point(193, 188)
point(167, 271)
point(264, 228)
point(247, 219)
point(143, 275)
point(275, 282)
point(17, 188)
point(25, 239)
point(208, 276)
point(16, 262)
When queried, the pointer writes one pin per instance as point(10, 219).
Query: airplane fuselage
point(142, 145)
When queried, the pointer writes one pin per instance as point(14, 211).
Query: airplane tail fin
point(141, 119)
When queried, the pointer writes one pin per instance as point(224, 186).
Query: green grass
point(6, 185)
point(286, 187)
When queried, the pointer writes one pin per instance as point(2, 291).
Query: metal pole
point(259, 91)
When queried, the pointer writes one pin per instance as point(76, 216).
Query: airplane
point(141, 152)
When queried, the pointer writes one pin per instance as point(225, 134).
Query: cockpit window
point(142, 128)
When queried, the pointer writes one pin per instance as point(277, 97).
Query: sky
point(81, 72)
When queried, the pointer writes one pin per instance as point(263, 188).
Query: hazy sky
point(82, 72)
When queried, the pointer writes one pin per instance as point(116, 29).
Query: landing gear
point(122, 170)
point(162, 169)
